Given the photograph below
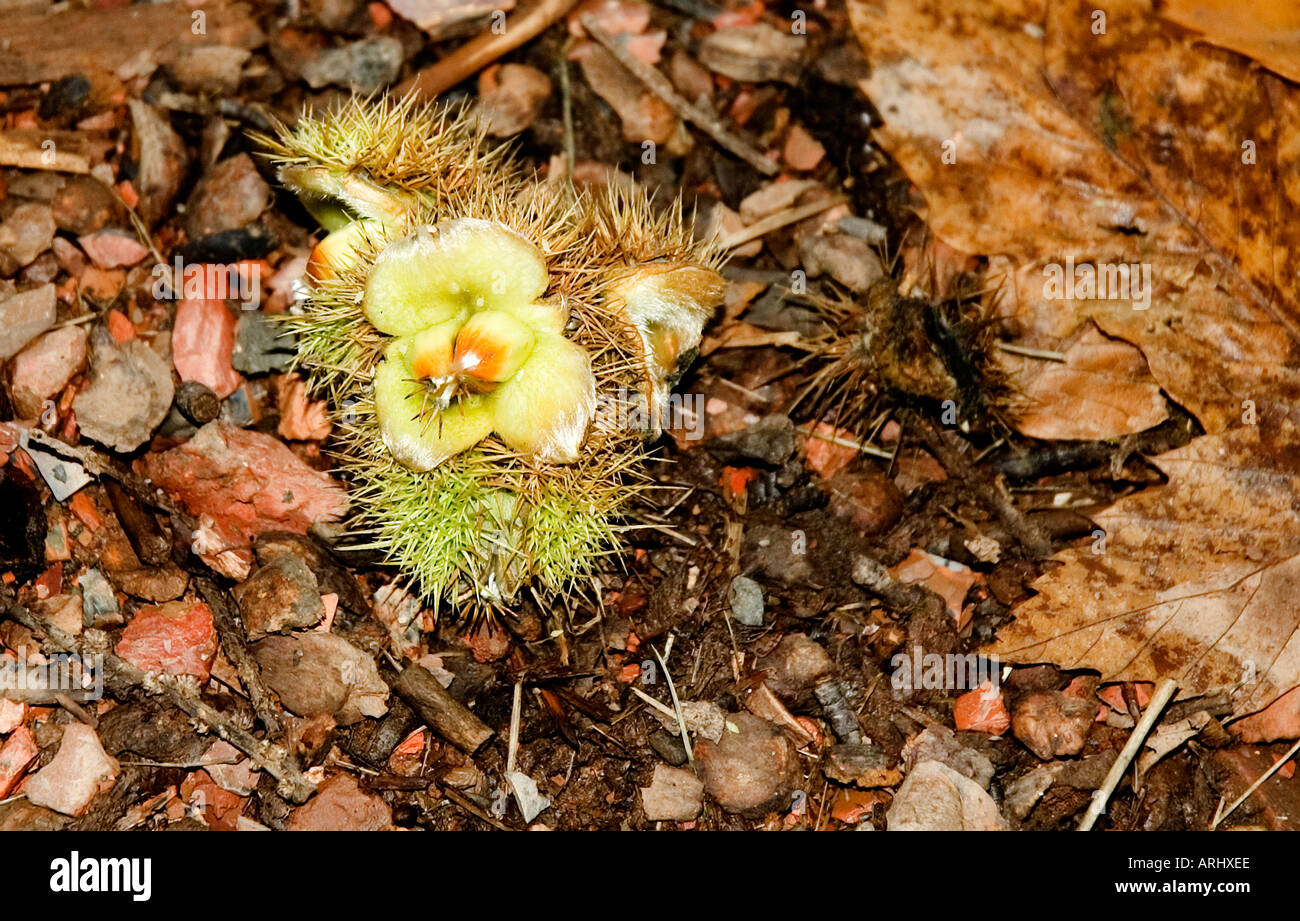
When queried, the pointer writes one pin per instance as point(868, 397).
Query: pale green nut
point(478, 350)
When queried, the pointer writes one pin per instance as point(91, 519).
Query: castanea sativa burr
point(489, 343)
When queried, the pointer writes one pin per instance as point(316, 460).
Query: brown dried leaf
point(1138, 145)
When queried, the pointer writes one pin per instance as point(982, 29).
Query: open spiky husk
point(480, 526)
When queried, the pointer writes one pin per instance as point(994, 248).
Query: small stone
point(341, 805)
point(64, 611)
point(80, 770)
point(861, 765)
point(42, 369)
point(262, 346)
point(231, 195)
point(129, 394)
point(163, 159)
point(178, 638)
point(98, 603)
point(246, 483)
point(982, 710)
point(796, 665)
point(24, 316)
point(674, 795)
point(863, 229)
point(867, 498)
point(752, 770)
point(746, 599)
point(318, 674)
point(1052, 724)
point(281, 596)
point(240, 777)
point(645, 117)
point(942, 745)
point(668, 745)
point(770, 440)
point(113, 249)
point(17, 754)
point(510, 97)
point(691, 78)
point(703, 718)
point(203, 344)
point(934, 797)
point(852, 262)
point(213, 69)
point(25, 234)
point(757, 53)
point(166, 583)
point(802, 151)
point(446, 18)
point(85, 205)
point(364, 66)
point(301, 418)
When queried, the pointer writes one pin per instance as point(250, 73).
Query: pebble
point(25, 234)
point(18, 753)
point(934, 797)
point(510, 97)
point(1052, 724)
point(770, 440)
point(281, 596)
point(674, 795)
point(113, 249)
point(80, 770)
point(165, 583)
point(746, 599)
point(756, 53)
point(231, 195)
point(942, 745)
point(341, 805)
point(751, 771)
point(318, 674)
point(852, 262)
point(645, 117)
point(261, 345)
point(44, 367)
point(24, 316)
point(128, 396)
point(178, 638)
point(83, 206)
point(867, 498)
point(796, 665)
point(861, 764)
point(163, 161)
point(801, 150)
point(99, 606)
point(364, 66)
point(203, 344)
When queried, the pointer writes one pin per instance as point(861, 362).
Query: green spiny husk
point(477, 528)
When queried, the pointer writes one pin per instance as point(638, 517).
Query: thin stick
point(1277, 766)
point(478, 52)
point(512, 745)
point(780, 219)
point(677, 706)
point(666, 711)
point(1043, 354)
point(1164, 692)
point(703, 119)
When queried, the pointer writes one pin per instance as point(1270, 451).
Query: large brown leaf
point(1138, 145)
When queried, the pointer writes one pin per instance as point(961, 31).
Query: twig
point(478, 52)
point(271, 758)
point(1277, 766)
point(1042, 354)
point(665, 710)
point(677, 707)
point(1160, 697)
point(232, 642)
point(702, 118)
point(512, 744)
